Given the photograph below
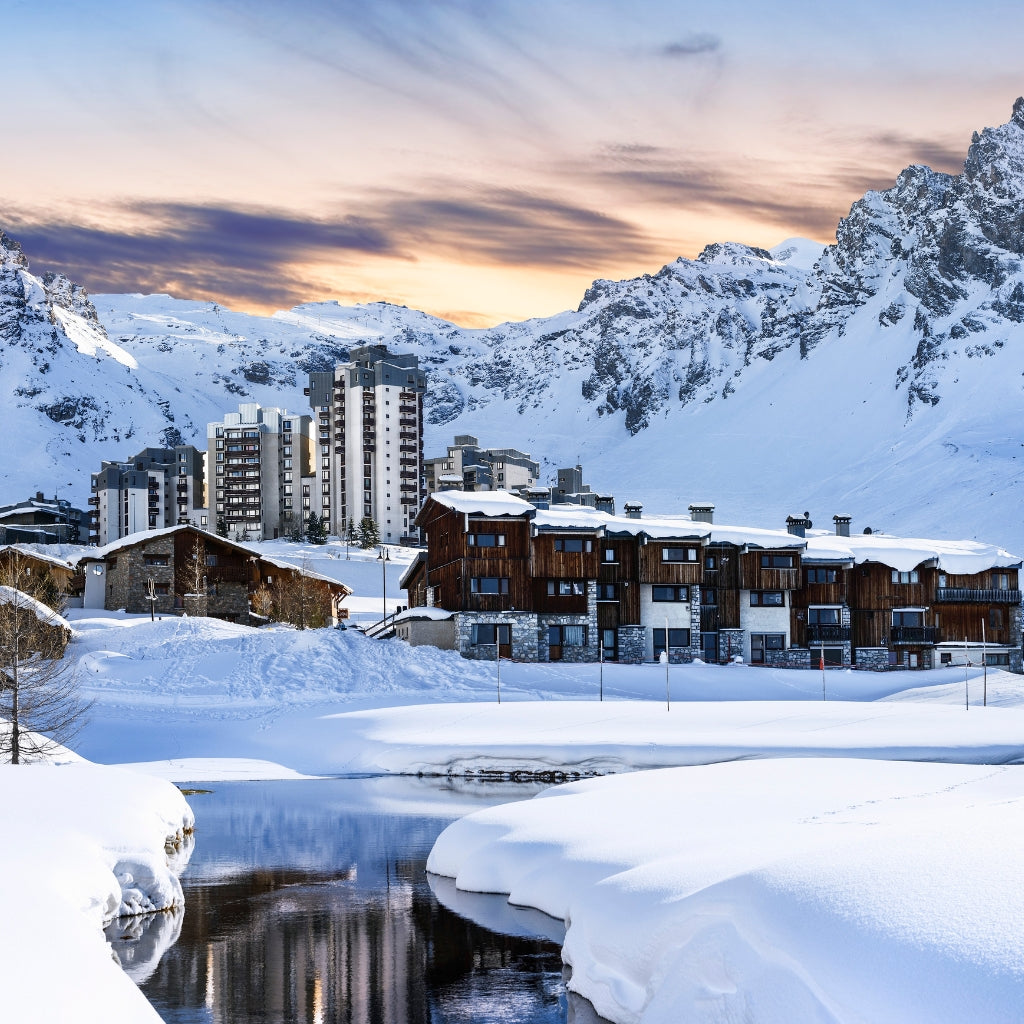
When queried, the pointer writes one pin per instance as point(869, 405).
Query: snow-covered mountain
point(881, 378)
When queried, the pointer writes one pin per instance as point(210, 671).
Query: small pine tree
point(222, 526)
point(369, 533)
point(316, 529)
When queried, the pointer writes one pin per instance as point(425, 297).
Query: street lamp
point(384, 557)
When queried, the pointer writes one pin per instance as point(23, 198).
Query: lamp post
point(384, 556)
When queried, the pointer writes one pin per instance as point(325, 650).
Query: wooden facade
point(740, 591)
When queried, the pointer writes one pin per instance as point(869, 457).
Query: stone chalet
point(197, 573)
point(575, 584)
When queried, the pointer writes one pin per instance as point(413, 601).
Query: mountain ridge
point(875, 377)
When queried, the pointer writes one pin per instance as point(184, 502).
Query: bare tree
point(38, 695)
point(190, 577)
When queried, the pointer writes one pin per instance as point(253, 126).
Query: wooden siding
point(623, 573)
point(957, 621)
point(870, 587)
point(569, 604)
point(753, 577)
point(547, 563)
point(654, 570)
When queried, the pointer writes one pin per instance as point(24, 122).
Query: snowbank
point(771, 891)
point(84, 844)
point(590, 738)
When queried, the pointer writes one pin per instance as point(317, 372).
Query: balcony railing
point(821, 633)
point(914, 635)
point(968, 595)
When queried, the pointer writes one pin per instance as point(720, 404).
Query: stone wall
point(524, 634)
point(632, 641)
point(874, 658)
point(128, 579)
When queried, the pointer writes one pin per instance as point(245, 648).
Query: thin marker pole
point(600, 661)
point(967, 692)
point(984, 666)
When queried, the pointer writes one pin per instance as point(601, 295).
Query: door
point(709, 647)
point(505, 642)
point(554, 643)
point(609, 644)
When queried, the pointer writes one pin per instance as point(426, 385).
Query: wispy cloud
point(251, 254)
point(695, 45)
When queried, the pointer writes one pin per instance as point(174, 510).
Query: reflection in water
point(309, 902)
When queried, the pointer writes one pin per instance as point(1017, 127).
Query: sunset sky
point(482, 160)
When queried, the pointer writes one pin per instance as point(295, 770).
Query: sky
point(483, 160)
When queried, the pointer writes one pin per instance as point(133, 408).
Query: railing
point(914, 635)
point(968, 595)
point(227, 574)
point(821, 633)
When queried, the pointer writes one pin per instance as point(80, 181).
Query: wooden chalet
point(573, 584)
point(185, 570)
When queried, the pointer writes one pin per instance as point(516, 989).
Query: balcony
point(407, 435)
point(407, 448)
point(405, 421)
point(914, 635)
point(967, 595)
point(819, 633)
point(94, 500)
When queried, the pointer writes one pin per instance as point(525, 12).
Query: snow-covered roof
point(959, 557)
point(44, 613)
point(282, 563)
point(483, 503)
point(421, 557)
point(582, 517)
point(60, 563)
point(144, 536)
point(423, 612)
point(755, 537)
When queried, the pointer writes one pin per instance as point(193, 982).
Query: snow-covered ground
point(193, 699)
point(771, 891)
point(83, 844)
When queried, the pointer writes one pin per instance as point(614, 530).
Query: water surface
point(309, 902)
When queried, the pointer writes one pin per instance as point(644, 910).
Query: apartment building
point(368, 423)
point(468, 467)
point(157, 488)
point(262, 479)
point(574, 584)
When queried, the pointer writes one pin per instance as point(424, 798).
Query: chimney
point(633, 509)
point(702, 512)
point(799, 525)
point(842, 525)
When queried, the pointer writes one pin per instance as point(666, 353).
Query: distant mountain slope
point(881, 377)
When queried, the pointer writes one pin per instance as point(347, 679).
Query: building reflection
point(363, 941)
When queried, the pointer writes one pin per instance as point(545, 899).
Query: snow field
point(771, 891)
point(85, 844)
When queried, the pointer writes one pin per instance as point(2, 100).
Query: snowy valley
point(879, 377)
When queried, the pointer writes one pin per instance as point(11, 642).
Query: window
point(777, 561)
point(156, 559)
point(711, 561)
point(608, 642)
point(761, 643)
point(162, 589)
point(573, 544)
point(488, 585)
point(567, 636)
point(823, 616)
point(676, 638)
point(566, 588)
point(709, 595)
point(487, 540)
point(995, 618)
point(945, 658)
point(609, 555)
point(998, 659)
point(904, 577)
point(1000, 581)
point(768, 598)
point(908, 618)
point(607, 592)
point(670, 593)
point(679, 554)
point(821, 575)
point(490, 633)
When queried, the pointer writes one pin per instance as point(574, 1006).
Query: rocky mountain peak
point(10, 252)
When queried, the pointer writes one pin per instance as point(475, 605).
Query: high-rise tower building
point(260, 471)
point(368, 419)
